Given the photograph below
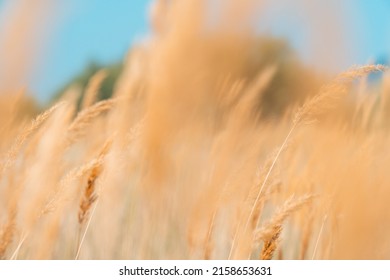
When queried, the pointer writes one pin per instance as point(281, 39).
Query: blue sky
point(84, 31)
point(102, 31)
point(374, 16)
point(90, 30)
point(95, 30)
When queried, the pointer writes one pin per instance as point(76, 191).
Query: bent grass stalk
point(78, 127)
point(307, 110)
point(90, 198)
point(24, 135)
point(270, 232)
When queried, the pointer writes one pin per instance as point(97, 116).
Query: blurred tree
point(292, 83)
point(81, 80)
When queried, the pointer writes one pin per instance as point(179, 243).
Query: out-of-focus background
point(213, 129)
point(69, 39)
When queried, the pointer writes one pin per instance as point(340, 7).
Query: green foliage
point(81, 80)
point(292, 83)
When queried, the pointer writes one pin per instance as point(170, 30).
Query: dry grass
point(12, 153)
point(183, 163)
point(85, 117)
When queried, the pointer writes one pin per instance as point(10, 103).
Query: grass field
point(212, 146)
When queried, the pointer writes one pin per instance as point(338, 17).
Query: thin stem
point(85, 232)
point(268, 174)
point(15, 254)
point(319, 236)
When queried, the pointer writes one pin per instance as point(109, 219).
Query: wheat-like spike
point(94, 164)
point(267, 231)
point(74, 174)
point(305, 112)
point(90, 196)
point(81, 240)
point(360, 71)
point(261, 176)
point(84, 169)
point(270, 232)
point(272, 188)
point(24, 135)
point(84, 118)
point(93, 88)
point(254, 199)
point(338, 85)
point(333, 90)
point(271, 164)
point(271, 245)
point(257, 212)
point(89, 193)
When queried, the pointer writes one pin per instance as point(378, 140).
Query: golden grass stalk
point(311, 107)
point(90, 197)
point(271, 231)
point(271, 245)
point(74, 174)
point(52, 204)
point(268, 230)
point(272, 187)
point(84, 118)
point(24, 135)
point(332, 91)
point(20, 243)
point(271, 164)
point(93, 87)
